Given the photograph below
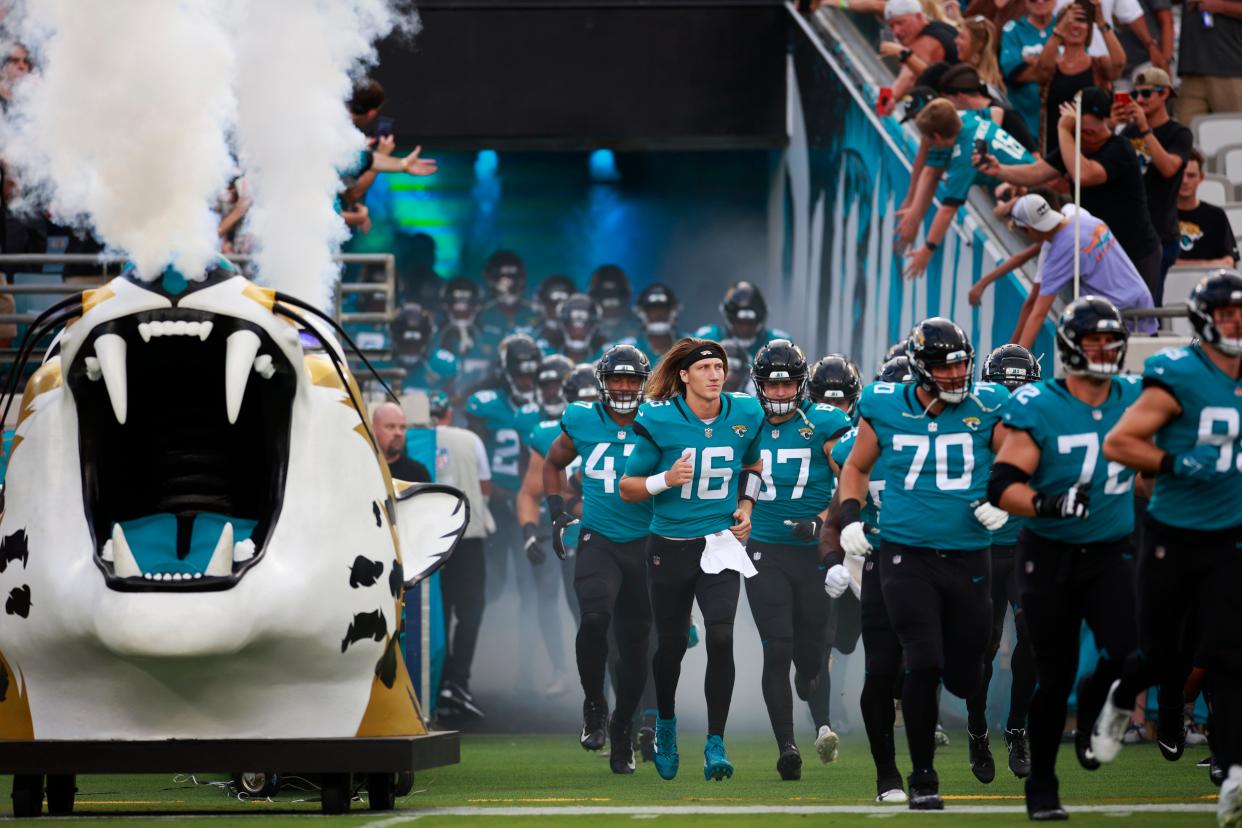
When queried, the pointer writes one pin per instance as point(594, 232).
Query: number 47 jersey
point(935, 469)
point(603, 445)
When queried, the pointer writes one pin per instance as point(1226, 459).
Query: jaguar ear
point(431, 518)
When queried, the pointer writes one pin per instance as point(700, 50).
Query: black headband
point(708, 350)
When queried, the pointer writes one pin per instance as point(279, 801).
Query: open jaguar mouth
point(183, 431)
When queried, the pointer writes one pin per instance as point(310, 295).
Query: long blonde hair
point(987, 45)
point(666, 382)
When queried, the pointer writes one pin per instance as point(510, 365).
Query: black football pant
point(883, 682)
point(676, 581)
point(940, 604)
point(1061, 586)
point(790, 608)
point(1022, 663)
point(842, 633)
point(1190, 611)
point(610, 580)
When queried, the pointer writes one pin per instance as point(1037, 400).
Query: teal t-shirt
point(1070, 435)
point(1211, 405)
point(503, 425)
point(1020, 39)
point(960, 174)
point(603, 445)
point(797, 480)
point(935, 468)
point(721, 448)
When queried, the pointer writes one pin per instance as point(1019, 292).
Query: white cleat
point(895, 796)
point(1229, 806)
point(1110, 729)
point(827, 744)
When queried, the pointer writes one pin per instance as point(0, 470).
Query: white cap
point(1034, 212)
point(899, 8)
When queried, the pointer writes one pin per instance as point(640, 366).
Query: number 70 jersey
point(603, 445)
point(934, 468)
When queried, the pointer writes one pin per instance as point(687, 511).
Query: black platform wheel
point(381, 791)
point(337, 791)
point(27, 795)
point(404, 784)
point(61, 789)
point(257, 784)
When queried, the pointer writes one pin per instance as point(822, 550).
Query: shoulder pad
point(528, 408)
point(481, 398)
point(1009, 27)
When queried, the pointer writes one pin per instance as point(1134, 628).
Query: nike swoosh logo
point(1169, 748)
point(975, 579)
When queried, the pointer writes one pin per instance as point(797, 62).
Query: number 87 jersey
point(603, 445)
point(935, 468)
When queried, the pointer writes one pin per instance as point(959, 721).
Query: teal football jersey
point(1070, 435)
point(716, 333)
point(475, 358)
point(540, 441)
point(436, 370)
point(496, 324)
point(504, 425)
point(935, 468)
point(797, 480)
point(665, 428)
point(875, 486)
point(1211, 408)
point(603, 446)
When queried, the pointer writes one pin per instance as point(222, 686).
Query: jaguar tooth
point(110, 350)
point(243, 346)
point(221, 563)
point(204, 331)
point(243, 550)
point(144, 330)
point(181, 328)
point(106, 552)
point(123, 563)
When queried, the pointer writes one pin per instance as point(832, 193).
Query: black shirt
point(946, 36)
point(1121, 201)
point(409, 470)
point(1162, 192)
point(1206, 233)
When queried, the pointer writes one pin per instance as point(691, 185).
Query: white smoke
point(124, 124)
point(127, 124)
point(294, 134)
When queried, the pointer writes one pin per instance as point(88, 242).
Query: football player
point(745, 314)
point(509, 311)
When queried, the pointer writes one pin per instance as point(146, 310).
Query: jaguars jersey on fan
point(797, 481)
point(934, 468)
point(1070, 434)
point(875, 487)
point(1211, 409)
point(603, 446)
point(718, 334)
point(665, 428)
point(504, 425)
point(540, 441)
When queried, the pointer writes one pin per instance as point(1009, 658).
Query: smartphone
point(1121, 99)
point(885, 100)
point(981, 149)
point(384, 127)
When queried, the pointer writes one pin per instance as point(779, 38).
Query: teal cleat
point(666, 758)
point(716, 764)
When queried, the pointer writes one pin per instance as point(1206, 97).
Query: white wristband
point(657, 483)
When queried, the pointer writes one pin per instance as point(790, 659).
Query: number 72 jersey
point(1070, 434)
point(603, 445)
point(935, 469)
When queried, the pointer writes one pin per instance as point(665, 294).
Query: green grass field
point(518, 779)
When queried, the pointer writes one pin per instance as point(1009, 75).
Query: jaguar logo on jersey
point(807, 432)
point(739, 430)
point(971, 422)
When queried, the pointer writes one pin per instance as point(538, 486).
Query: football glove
point(807, 529)
point(534, 552)
point(836, 580)
point(559, 524)
point(854, 540)
point(991, 517)
point(1072, 504)
point(1198, 464)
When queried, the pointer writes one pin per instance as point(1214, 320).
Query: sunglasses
point(1147, 93)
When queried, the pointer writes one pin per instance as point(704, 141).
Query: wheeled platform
point(386, 764)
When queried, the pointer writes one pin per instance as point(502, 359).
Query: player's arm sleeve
point(642, 462)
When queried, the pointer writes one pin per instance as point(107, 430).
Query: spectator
point(364, 107)
point(1022, 42)
point(1105, 270)
point(16, 66)
point(1064, 68)
point(1126, 14)
point(461, 461)
point(963, 86)
point(1206, 236)
point(978, 45)
point(1155, 43)
point(952, 137)
point(388, 423)
point(1209, 58)
point(996, 12)
point(920, 42)
point(1112, 181)
point(1163, 145)
point(232, 207)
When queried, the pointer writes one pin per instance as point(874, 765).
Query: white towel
point(723, 551)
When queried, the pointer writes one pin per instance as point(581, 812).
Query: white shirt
point(1117, 12)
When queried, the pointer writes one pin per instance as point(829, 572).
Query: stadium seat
point(1178, 284)
point(1215, 131)
point(1234, 211)
point(1139, 348)
point(1229, 163)
point(1215, 189)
